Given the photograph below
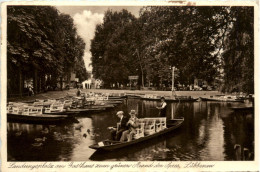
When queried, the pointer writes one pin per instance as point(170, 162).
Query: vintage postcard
point(129, 86)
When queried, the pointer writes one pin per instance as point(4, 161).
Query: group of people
point(126, 127)
point(128, 124)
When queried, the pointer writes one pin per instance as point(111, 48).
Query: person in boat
point(132, 125)
point(162, 107)
point(116, 132)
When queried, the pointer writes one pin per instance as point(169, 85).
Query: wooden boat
point(168, 99)
point(109, 145)
point(40, 118)
point(134, 96)
point(69, 113)
point(32, 114)
point(117, 97)
point(151, 98)
point(182, 100)
point(112, 96)
point(222, 99)
point(86, 110)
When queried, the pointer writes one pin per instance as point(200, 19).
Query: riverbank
point(59, 94)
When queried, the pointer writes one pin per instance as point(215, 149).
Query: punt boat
point(40, 118)
point(35, 115)
point(109, 145)
point(222, 99)
point(169, 99)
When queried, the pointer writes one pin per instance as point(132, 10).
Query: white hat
point(132, 112)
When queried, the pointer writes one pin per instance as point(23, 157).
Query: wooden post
point(172, 114)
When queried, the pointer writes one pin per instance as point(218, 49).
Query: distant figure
point(116, 133)
point(78, 92)
point(83, 100)
point(31, 93)
point(132, 125)
point(162, 107)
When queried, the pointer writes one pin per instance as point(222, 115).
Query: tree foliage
point(110, 48)
point(40, 38)
point(238, 55)
point(192, 39)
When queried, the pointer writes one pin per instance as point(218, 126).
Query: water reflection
point(211, 131)
point(155, 149)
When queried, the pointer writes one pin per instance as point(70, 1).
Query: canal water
point(210, 132)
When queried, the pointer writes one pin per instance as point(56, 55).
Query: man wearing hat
point(116, 133)
point(132, 125)
point(162, 108)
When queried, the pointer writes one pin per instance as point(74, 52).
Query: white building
point(92, 83)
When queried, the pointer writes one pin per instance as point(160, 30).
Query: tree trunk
point(43, 83)
point(35, 81)
point(20, 82)
point(142, 72)
point(40, 83)
point(61, 83)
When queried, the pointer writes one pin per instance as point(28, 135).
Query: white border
point(219, 165)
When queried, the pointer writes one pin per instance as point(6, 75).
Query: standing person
point(31, 93)
point(78, 92)
point(116, 133)
point(132, 125)
point(162, 107)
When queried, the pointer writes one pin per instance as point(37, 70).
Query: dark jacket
point(123, 123)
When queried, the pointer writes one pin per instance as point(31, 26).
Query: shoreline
point(59, 94)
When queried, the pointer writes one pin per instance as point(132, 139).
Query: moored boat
point(40, 118)
point(169, 99)
point(109, 145)
point(179, 99)
point(31, 114)
point(222, 99)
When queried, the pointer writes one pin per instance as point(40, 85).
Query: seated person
point(132, 125)
point(116, 133)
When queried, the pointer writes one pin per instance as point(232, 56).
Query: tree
point(238, 55)
point(202, 42)
point(109, 49)
point(40, 42)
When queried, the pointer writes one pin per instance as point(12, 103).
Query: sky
point(86, 18)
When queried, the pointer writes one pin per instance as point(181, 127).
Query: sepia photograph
point(139, 83)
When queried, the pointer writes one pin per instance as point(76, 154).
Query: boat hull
point(170, 100)
point(174, 124)
point(41, 119)
point(221, 100)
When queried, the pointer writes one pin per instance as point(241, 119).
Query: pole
point(141, 67)
point(172, 114)
point(173, 79)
